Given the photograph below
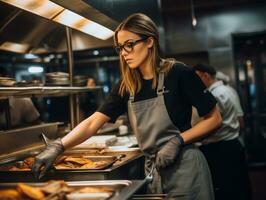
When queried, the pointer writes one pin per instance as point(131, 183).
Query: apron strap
point(131, 98)
point(160, 88)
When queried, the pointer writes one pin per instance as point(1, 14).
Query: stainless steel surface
point(124, 189)
point(18, 142)
point(43, 35)
point(5, 103)
point(72, 98)
point(44, 91)
point(72, 107)
point(69, 54)
point(149, 197)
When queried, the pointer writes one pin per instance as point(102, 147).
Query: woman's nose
point(124, 52)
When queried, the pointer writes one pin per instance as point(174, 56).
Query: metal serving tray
point(128, 167)
point(123, 189)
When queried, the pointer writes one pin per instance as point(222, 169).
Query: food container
point(89, 190)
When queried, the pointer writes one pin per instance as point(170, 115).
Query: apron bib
point(188, 177)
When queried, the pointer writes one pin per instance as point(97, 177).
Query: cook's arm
point(84, 130)
point(44, 161)
point(210, 122)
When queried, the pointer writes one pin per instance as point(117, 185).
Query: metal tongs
point(45, 139)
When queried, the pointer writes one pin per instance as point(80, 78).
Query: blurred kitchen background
point(229, 35)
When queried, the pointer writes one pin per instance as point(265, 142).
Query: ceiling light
point(194, 22)
point(193, 17)
point(44, 8)
point(95, 52)
point(82, 24)
point(14, 47)
point(57, 13)
point(30, 56)
point(35, 69)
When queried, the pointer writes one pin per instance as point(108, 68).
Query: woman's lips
point(129, 60)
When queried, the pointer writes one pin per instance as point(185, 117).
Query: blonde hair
point(143, 26)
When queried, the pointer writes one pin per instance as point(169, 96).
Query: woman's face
point(134, 53)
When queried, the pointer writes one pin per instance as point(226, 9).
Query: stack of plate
point(33, 83)
point(57, 78)
point(7, 82)
point(80, 80)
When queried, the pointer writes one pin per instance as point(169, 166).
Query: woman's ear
point(150, 42)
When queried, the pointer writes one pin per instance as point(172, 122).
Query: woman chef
point(158, 95)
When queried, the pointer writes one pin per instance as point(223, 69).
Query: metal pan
point(129, 167)
point(101, 162)
point(122, 189)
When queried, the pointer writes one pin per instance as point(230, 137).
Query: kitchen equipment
point(16, 143)
point(120, 189)
point(130, 166)
point(19, 144)
point(80, 80)
point(33, 83)
point(149, 197)
point(69, 161)
point(57, 78)
point(7, 81)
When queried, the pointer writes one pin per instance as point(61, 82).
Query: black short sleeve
point(196, 92)
point(114, 105)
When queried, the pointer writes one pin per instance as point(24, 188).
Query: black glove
point(46, 158)
point(169, 152)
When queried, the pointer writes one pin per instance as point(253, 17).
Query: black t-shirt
point(183, 89)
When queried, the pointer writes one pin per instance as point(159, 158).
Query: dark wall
point(213, 32)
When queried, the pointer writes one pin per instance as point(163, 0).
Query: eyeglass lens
point(128, 46)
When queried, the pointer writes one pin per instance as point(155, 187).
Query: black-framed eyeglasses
point(128, 46)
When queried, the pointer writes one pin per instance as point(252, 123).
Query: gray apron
point(188, 177)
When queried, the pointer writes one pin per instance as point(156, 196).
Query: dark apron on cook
point(188, 177)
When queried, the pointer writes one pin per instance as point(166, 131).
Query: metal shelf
point(44, 91)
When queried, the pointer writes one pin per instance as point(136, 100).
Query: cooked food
point(9, 194)
point(29, 161)
point(78, 160)
point(65, 165)
point(64, 162)
point(52, 190)
point(24, 165)
point(14, 168)
point(92, 189)
point(95, 165)
point(71, 162)
point(53, 187)
point(32, 192)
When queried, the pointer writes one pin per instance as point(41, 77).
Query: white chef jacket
point(229, 129)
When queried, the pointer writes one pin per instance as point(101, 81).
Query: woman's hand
point(169, 152)
point(79, 134)
point(210, 122)
point(46, 158)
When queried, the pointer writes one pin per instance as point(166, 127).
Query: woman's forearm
point(210, 122)
point(84, 130)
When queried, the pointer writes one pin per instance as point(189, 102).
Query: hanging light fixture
point(59, 14)
point(193, 17)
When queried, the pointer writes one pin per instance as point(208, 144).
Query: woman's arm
point(84, 130)
point(210, 122)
